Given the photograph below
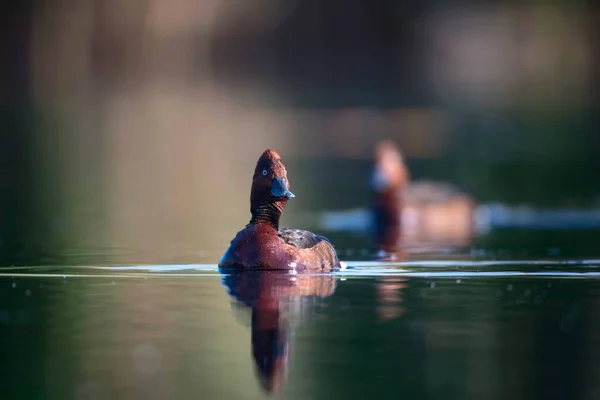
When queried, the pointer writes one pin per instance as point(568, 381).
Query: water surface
point(468, 323)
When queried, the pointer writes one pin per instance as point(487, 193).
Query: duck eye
point(264, 172)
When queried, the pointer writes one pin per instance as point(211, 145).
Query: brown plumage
point(262, 244)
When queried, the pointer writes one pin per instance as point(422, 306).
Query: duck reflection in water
point(264, 294)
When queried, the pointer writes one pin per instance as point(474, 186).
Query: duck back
point(301, 239)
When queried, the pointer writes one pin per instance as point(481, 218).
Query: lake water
point(513, 316)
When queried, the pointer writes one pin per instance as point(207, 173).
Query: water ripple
point(429, 268)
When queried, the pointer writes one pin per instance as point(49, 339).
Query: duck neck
point(269, 213)
point(388, 206)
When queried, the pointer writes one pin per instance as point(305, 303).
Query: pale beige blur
point(434, 213)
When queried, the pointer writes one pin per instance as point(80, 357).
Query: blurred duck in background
point(389, 180)
point(425, 212)
point(426, 215)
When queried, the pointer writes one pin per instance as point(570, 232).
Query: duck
point(262, 244)
point(419, 212)
point(389, 180)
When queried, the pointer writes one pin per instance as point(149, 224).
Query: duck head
point(390, 172)
point(270, 188)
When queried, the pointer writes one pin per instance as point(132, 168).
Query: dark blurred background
point(134, 126)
